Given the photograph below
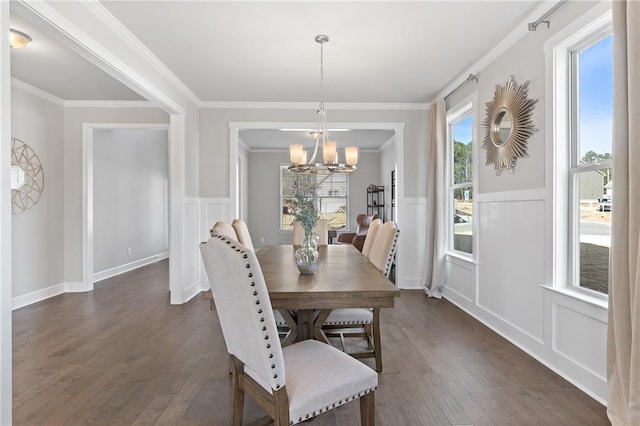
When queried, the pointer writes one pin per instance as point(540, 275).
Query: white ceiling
point(386, 52)
point(391, 52)
point(49, 65)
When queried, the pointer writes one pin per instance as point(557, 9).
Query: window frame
point(563, 114)
point(454, 115)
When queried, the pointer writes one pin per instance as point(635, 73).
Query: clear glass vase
point(307, 255)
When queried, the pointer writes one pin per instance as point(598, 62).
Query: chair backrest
point(242, 232)
point(244, 308)
point(384, 248)
point(223, 228)
point(298, 234)
point(364, 221)
point(371, 236)
point(321, 228)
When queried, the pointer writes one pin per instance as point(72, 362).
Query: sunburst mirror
point(508, 125)
point(27, 177)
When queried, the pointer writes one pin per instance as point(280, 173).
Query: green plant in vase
point(303, 205)
point(303, 208)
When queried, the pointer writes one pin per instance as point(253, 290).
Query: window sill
point(593, 300)
point(460, 257)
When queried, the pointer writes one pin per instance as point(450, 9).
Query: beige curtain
point(623, 346)
point(435, 268)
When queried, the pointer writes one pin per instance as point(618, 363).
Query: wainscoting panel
point(211, 211)
point(460, 277)
point(578, 338)
point(511, 251)
point(410, 258)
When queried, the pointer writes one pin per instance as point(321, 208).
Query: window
point(581, 75)
point(332, 197)
point(460, 179)
point(590, 171)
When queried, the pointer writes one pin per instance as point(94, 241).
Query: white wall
point(130, 197)
point(37, 239)
point(503, 288)
point(73, 121)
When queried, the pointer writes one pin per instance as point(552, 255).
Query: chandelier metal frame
point(329, 165)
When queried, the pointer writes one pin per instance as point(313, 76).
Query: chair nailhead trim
point(349, 398)
point(257, 302)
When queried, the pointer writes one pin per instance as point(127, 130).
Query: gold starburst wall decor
point(508, 125)
point(27, 177)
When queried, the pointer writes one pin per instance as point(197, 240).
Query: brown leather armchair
point(357, 238)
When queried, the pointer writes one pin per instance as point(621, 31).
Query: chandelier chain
point(322, 75)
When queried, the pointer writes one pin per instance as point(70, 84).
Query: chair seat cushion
point(349, 316)
point(320, 377)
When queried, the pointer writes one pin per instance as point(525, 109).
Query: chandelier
point(330, 164)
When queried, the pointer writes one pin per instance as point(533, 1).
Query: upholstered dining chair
point(223, 228)
point(294, 383)
point(357, 238)
point(321, 228)
point(242, 232)
point(219, 228)
point(341, 322)
point(238, 230)
point(371, 237)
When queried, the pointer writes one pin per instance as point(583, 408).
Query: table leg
point(318, 334)
point(305, 324)
point(292, 335)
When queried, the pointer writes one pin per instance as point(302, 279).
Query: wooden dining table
point(344, 279)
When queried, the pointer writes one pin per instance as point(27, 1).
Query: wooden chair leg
point(368, 409)
point(377, 347)
point(281, 409)
point(237, 394)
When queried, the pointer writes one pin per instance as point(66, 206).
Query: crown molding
point(507, 42)
point(26, 87)
point(314, 105)
point(109, 104)
point(95, 7)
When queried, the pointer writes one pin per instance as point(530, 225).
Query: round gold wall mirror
point(27, 177)
point(508, 125)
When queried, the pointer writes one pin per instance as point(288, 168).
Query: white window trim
point(466, 106)
point(557, 119)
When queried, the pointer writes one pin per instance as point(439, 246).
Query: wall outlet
point(261, 240)
point(129, 251)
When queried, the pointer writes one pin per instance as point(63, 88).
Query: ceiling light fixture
point(330, 164)
point(18, 39)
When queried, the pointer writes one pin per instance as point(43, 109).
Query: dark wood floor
point(121, 355)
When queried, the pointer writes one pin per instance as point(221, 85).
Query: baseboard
point(411, 284)
point(192, 291)
point(37, 296)
point(112, 272)
point(75, 287)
